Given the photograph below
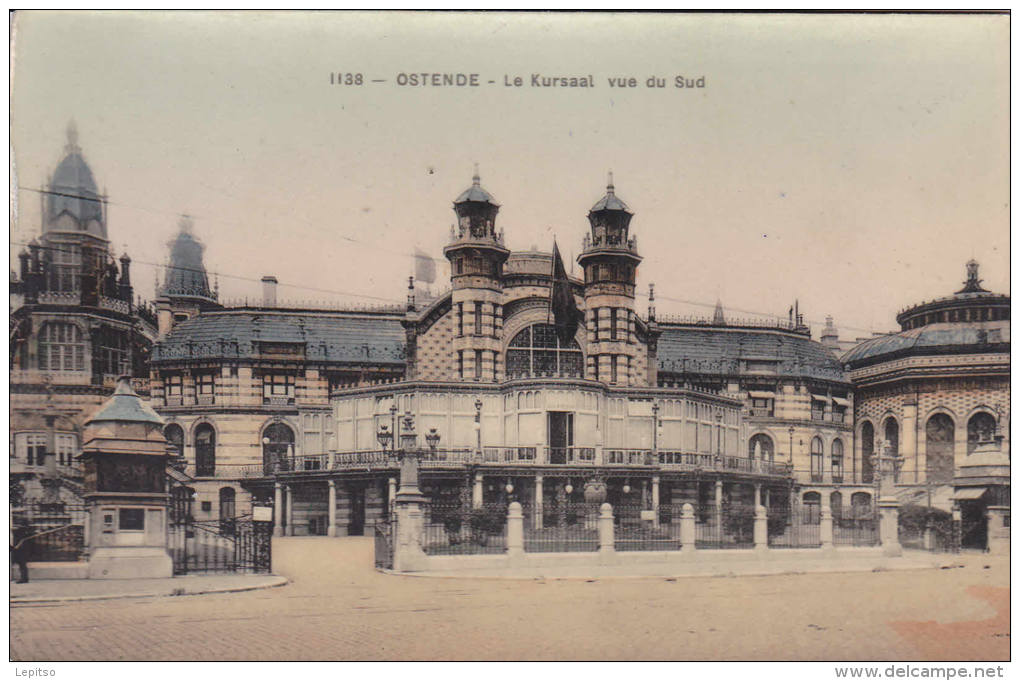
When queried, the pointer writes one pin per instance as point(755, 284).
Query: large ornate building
point(292, 405)
point(937, 393)
point(75, 327)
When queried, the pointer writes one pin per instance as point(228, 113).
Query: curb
point(277, 582)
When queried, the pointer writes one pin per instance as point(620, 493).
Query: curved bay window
point(817, 459)
point(277, 444)
point(205, 451)
point(61, 347)
point(760, 448)
point(837, 461)
point(536, 351)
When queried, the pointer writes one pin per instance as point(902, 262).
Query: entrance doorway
point(973, 526)
point(356, 526)
point(561, 435)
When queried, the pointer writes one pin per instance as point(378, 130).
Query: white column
point(825, 530)
point(393, 492)
point(538, 502)
point(331, 530)
point(761, 528)
point(476, 492)
point(278, 510)
point(289, 494)
point(515, 531)
point(688, 529)
point(757, 494)
point(607, 543)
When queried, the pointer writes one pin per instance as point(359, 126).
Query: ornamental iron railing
point(455, 529)
point(640, 529)
point(51, 532)
point(728, 526)
point(566, 527)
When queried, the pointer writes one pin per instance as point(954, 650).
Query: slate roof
point(73, 189)
point(938, 338)
point(719, 350)
point(125, 406)
point(327, 336)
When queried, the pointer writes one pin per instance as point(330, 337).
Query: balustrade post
point(331, 530)
point(278, 510)
point(288, 493)
point(888, 523)
point(607, 541)
point(761, 528)
point(688, 529)
point(655, 500)
point(476, 492)
point(515, 531)
point(537, 506)
point(718, 506)
point(825, 528)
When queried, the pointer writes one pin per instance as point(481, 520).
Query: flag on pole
point(561, 301)
point(424, 266)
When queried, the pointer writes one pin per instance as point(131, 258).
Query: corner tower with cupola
point(609, 259)
point(476, 254)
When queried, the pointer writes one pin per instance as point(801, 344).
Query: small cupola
point(610, 220)
point(476, 211)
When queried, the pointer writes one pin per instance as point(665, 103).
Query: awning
point(841, 401)
point(820, 398)
point(761, 394)
point(969, 493)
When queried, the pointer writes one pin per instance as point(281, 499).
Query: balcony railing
point(368, 460)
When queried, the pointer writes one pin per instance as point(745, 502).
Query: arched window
point(536, 351)
point(817, 459)
point(277, 446)
point(892, 442)
point(760, 448)
point(227, 506)
point(836, 504)
point(205, 451)
point(174, 435)
point(980, 429)
point(940, 438)
point(867, 450)
point(61, 347)
point(812, 508)
point(837, 461)
point(860, 504)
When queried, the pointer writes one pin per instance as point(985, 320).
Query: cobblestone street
point(338, 608)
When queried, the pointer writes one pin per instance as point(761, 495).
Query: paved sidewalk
point(717, 564)
point(61, 590)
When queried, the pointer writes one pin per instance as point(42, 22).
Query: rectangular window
point(205, 384)
point(613, 366)
point(173, 386)
point(478, 365)
point(132, 519)
point(460, 319)
point(35, 449)
point(817, 410)
point(478, 318)
point(278, 389)
point(595, 324)
point(67, 446)
point(460, 364)
point(612, 328)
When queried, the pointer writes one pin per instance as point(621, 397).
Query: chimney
point(269, 291)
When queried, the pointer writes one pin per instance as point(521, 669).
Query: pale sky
point(853, 162)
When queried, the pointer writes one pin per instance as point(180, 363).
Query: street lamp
point(393, 422)
point(655, 429)
point(384, 436)
point(432, 438)
point(791, 445)
point(478, 424)
point(408, 438)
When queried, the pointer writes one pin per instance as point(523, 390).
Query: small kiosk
point(124, 457)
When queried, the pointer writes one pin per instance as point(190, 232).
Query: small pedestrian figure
point(21, 544)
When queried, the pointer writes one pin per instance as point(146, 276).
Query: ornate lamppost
point(478, 425)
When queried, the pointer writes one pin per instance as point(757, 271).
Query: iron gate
point(232, 545)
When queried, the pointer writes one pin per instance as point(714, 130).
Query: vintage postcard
point(449, 336)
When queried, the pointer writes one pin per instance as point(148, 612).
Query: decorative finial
point(476, 179)
point(973, 283)
point(610, 187)
point(651, 302)
point(72, 135)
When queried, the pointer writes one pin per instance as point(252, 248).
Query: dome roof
point(938, 338)
point(610, 201)
point(186, 275)
point(73, 187)
point(475, 193)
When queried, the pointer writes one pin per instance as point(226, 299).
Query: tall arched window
point(174, 435)
point(892, 442)
point(980, 428)
point(836, 504)
point(867, 450)
point(860, 504)
point(817, 459)
point(940, 438)
point(536, 351)
point(205, 451)
point(61, 347)
point(277, 444)
point(837, 461)
point(760, 448)
point(227, 506)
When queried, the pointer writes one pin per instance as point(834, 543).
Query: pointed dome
point(73, 189)
point(610, 201)
point(125, 406)
point(186, 275)
point(475, 193)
